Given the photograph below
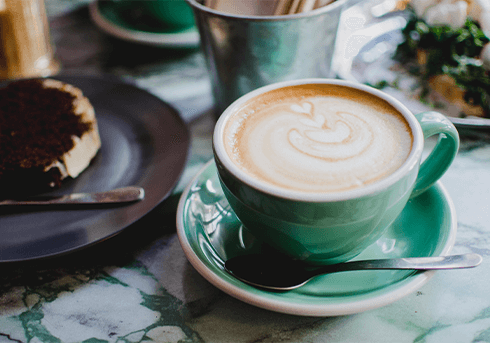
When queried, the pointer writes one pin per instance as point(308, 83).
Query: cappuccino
point(317, 138)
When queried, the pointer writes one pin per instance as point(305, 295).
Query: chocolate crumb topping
point(36, 125)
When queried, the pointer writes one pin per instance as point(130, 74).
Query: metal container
point(247, 52)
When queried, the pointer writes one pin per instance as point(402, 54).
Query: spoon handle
point(414, 263)
point(117, 195)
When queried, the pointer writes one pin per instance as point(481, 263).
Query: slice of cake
point(48, 132)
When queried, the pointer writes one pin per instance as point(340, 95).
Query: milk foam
point(319, 143)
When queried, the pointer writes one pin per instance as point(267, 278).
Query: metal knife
point(118, 195)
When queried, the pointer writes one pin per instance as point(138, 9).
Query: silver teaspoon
point(118, 195)
point(271, 272)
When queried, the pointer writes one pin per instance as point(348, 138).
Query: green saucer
point(125, 20)
point(210, 233)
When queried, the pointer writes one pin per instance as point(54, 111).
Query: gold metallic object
point(25, 44)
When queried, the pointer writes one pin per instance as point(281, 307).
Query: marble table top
point(139, 286)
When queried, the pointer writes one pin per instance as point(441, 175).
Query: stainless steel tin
point(247, 52)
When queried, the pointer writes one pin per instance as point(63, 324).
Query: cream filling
point(73, 162)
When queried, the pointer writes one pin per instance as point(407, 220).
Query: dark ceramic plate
point(144, 143)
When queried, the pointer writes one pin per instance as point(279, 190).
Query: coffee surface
point(318, 138)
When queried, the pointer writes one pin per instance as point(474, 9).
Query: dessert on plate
point(48, 132)
point(447, 44)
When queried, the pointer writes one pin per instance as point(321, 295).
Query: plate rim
point(188, 38)
point(408, 284)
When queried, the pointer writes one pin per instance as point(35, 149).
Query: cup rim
point(312, 13)
point(411, 162)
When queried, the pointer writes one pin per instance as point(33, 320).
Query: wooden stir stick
point(321, 3)
point(306, 5)
point(210, 3)
point(284, 7)
point(294, 6)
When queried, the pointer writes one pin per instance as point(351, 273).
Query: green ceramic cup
point(174, 13)
point(325, 228)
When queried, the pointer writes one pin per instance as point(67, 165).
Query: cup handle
point(443, 154)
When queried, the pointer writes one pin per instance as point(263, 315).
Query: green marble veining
point(120, 304)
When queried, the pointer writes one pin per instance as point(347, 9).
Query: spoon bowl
point(280, 274)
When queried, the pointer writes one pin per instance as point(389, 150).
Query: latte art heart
point(347, 136)
point(318, 142)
